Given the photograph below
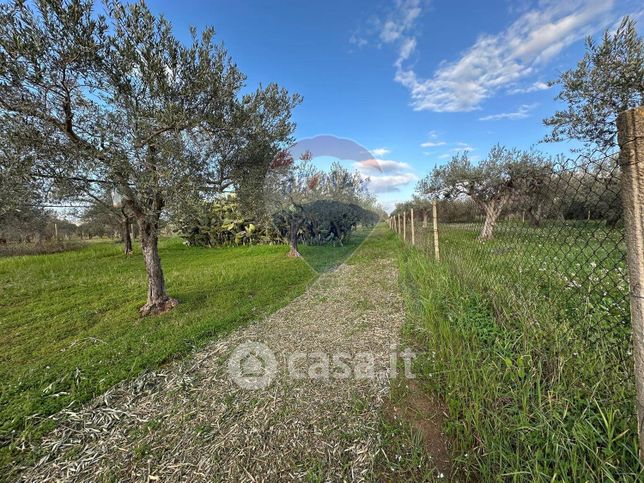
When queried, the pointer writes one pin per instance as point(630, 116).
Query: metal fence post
point(413, 235)
point(437, 254)
point(630, 128)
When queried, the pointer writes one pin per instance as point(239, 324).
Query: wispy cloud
point(400, 20)
point(535, 86)
point(432, 144)
point(390, 183)
point(380, 152)
point(397, 28)
point(522, 112)
point(462, 147)
point(357, 40)
point(385, 175)
point(433, 140)
point(497, 61)
point(381, 165)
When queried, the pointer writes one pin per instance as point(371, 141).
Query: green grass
point(528, 344)
point(69, 325)
point(325, 257)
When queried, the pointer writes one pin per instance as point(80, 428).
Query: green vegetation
point(322, 258)
point(70, 327)
point(527, 341)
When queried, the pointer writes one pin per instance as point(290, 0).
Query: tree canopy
point(607, 80)
point(503, 175)
point(115, 101)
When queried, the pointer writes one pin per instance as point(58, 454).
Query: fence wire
point(556, 257)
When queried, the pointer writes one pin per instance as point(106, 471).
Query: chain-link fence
point(560, 244)
point(551, 261)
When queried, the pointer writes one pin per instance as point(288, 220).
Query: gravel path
point(190, 421)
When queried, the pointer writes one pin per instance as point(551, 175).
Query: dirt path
point(190, 421)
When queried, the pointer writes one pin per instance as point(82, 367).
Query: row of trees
point(301, 204)
point(608, 80)
point(524, 185)
point(96, 106)
point(36, 225)
point(306, 203)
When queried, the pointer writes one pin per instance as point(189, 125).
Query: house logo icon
point(252, 365)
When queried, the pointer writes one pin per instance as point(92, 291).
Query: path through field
point(190, 421)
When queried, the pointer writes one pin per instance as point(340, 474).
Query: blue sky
point(413, 81)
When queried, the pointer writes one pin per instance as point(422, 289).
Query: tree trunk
point(292, 239)
point(127, 237)
point(492, 212)
point(158, 300)
point(536, 214)
point(424, 219)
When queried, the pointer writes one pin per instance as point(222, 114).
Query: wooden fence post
point(404, 226)
point(56, 231)
point(413, 235)
point(630, 134)
point(437, 254)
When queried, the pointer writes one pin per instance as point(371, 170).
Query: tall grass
point(537, 378)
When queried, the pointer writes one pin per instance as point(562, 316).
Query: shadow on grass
point(323, 258)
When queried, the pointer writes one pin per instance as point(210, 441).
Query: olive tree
point(114, 101)
point(291, 186)
point(607, 80)
point(492, 183)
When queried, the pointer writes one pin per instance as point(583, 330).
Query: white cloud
point(460, 147)
point(536, 86)
point(406, 49)
point(380, 152)
point(433, 141)
point(389, 183)
point(385, 175)
point(397, 28)
point(400, 20)
point(522, 112)
point(496, 61)
point(358, 40)
point(432, 144)
point(369, 166)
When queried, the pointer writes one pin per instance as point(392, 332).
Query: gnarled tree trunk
point(158, 300)
point(127, 237)
point(492, 209)
point(292, 238)
point(535, 213)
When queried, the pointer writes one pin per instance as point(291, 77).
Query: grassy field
point(69, 326)
point(528, 346)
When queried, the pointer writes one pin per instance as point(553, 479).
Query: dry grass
point(189, 421)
